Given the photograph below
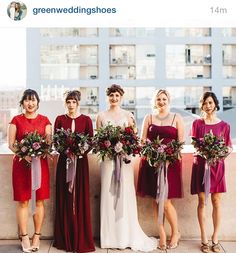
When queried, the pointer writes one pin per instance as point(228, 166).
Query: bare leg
point(38, 221)
point(161, 230)
point(201, 216)
point(216, 214)
point(22, 214)
point(162, 234)
point(171, 216)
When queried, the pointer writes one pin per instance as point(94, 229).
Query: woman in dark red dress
point(73, 230)
point(167, 126)
point(20, 125)
point(209, 105)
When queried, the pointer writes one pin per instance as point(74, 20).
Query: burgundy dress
point(21, 173)
point(199, 129)
point(147, 179)
point(73, 229)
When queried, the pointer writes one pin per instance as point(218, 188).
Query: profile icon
point(16, 10)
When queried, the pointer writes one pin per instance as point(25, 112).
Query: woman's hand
point(28, 159)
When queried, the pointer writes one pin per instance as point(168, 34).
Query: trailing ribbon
point(162, 191)
point(36, 179)
point(115, 187)
point(207, 180)
point(71, 163)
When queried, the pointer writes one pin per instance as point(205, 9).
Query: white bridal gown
point(124, 231)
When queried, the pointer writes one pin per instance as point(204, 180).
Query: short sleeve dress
point(21, 173)
point(218, 184)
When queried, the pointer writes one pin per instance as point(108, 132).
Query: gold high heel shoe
point(35, 248)
point(175, 244)
point(25, 250)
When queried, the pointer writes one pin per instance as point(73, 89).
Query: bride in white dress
point(119, 226)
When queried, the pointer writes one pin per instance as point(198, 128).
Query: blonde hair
point(158, 93)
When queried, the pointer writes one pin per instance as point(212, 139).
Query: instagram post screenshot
point(118, 126)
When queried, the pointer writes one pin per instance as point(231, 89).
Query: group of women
point(119, 225)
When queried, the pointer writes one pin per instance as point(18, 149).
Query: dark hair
point(206, 95)
point(72, 94)
point(115, 88)
point(29, 94)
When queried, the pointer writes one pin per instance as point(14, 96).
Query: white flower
point(118, 147)
point(86, 146)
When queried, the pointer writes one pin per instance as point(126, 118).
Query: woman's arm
point(180, 127)
point(132, 122)
point(11, 137)
point(98, 121)
point(144, 130)
point(48, 133)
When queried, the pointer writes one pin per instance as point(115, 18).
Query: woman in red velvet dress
point(167, 126)
point(72, 229)
point(27, 122)
point(209, 105)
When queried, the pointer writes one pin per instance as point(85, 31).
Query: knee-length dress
point(147, 179)
point(73, 228)
point(218, 184)
point(125, 231)
point(21, 173)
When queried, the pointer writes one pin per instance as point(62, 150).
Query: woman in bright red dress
point(209, 105)
point(168, 126)
point(27, 122)
point(73, 229)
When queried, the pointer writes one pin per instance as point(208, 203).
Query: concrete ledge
point(186, 207)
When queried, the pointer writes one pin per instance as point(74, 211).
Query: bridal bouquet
point(33, 144)
point(110, 141)
point(210, 147)
point(71, 143)
point(157, 153)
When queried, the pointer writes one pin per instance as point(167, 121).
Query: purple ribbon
point(207, 181)
point(35, 179)
point(115, 187)
point(71, 164)
point(162, 191)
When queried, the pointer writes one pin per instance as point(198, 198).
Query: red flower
point(129, 130)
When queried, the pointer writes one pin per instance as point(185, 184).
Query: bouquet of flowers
point(71, 143)
point(33, 145)
point(111, 141)
point(157, 153)
point(210, 147)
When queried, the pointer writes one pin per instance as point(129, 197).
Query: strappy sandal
point(25, 250)
point(162, 247)
point(36, 247)
point(205, 248)
point(215, 247)
point(175, 244)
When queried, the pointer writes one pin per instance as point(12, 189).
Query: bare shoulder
point(177, 115)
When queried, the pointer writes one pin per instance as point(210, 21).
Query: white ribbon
point(207, 181)
point(36, 179)
point(162, 191)
point(116, 188)
point(71, 164)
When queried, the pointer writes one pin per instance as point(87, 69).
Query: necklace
point(162, 118)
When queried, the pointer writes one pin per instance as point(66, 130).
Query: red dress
point(73, 229)
point(199, 129)
point(21, 174)
point(147, 179)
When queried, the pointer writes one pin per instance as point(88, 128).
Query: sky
point(12, 58)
